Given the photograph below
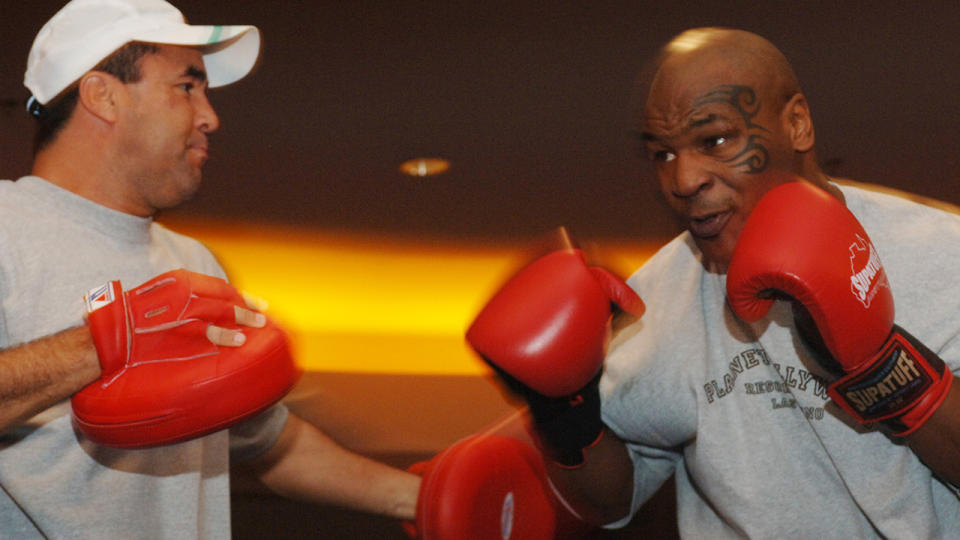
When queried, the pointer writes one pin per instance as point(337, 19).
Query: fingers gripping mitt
point(162, 380)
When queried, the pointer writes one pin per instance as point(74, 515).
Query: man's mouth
point(201, 151)
point(708, 225)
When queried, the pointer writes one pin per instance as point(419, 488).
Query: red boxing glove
point(162, 380)
point(485, 487)
point(804, 242)
point(545, 333)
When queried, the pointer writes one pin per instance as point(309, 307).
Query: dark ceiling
point(531, 101)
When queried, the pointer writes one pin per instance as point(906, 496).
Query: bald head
point(703, 58)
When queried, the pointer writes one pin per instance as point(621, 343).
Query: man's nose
point(689, 177)
point(206, 118)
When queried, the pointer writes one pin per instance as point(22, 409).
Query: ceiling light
point(421, 167)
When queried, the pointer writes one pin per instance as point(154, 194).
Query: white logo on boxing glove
point(867, 275)
point(99, 297)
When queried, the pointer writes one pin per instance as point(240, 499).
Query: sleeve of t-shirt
point(253, 437)
point(652, 467)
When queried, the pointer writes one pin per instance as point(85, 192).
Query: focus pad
point(160, 403)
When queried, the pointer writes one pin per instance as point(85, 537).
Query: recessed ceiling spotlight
point(421, 167)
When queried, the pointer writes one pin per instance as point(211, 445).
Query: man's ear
point(798, 123)
point(98, 95)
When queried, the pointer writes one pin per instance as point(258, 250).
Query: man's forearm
point(39, 374)
point(937, 442)
point(306, 464)
point(601, 490)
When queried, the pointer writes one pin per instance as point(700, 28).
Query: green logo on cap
point(215, 36)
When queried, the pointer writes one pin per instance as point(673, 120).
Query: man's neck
point(84, 169)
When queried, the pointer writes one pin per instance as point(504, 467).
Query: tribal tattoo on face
point(754, 156)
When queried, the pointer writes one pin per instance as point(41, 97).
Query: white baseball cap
point(84, 32)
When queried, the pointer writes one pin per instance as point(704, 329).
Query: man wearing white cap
point(119, 93)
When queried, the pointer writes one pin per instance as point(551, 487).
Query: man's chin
point(178, 196)
point(715, 253)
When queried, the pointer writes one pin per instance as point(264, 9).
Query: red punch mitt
point(485, 487)
point(162, 380)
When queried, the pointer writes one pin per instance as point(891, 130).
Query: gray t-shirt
point(740, 411)
point(54, 247)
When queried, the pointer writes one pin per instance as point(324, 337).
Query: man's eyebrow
point(700, 122)
point(695, 123)
point(196, 73)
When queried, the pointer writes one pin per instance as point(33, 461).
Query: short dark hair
point(123, 64)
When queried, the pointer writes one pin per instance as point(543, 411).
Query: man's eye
point(187, 87)
point(663, 156)
point(712, 142)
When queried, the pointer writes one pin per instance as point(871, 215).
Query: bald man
point(739, 412)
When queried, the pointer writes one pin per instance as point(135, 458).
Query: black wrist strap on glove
point(564, 426)
point(568, 425)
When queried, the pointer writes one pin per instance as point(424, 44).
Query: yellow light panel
point(371, 304)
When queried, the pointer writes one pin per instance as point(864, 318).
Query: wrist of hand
point(568, 425)
point(107, 321)
point(900, 387)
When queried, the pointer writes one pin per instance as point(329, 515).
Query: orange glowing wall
point(374, 304)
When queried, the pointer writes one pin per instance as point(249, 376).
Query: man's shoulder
point(680, 256)
point(671, 282)
point(872, 198)
point(27, 195)
point(161, 231)
point(898, 218)
point(10, 192)
point(17, 206)
point(192, 253)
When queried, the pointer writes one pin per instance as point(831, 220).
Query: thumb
point(619, 292)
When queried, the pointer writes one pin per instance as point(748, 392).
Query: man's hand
point(177, 361)
point(804, 243)
point(545, 332)
point(226, 337)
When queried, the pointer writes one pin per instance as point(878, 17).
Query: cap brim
point(229, 52)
